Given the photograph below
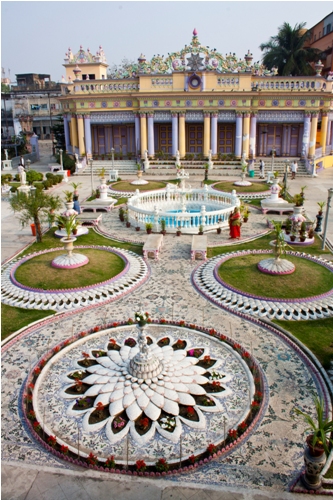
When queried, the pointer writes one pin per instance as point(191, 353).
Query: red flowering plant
point(52, 441)
point(164, 341)
point(110, 463)
point(207, 359)
point(162, 465)
point(181, 322)
point(31, 387)
point(216, 383)
point(99, 408)
point(115, 323)
point(56, 349)
point(130, 321)
point(192, 459)
point(232, 434)
point(64, 449)
point(143, 423)
point(31, 415)
point(211, 449)
point(190, 412)
point(36, 426)
point(83, 334)
point(37, 370)
point(246, 355)
point(92, 459)
point(212, 331)
point(242, 427)
point(163, 321)
point(255, 405)
point(96, 329)
point(258, 396)
point(140, 465)
point(180, 344)
point(78, 385)
point(28, 398)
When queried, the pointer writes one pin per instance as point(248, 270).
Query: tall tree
point(287, 51)
point(34, 207)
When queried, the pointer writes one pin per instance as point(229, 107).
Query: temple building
point(194, 101)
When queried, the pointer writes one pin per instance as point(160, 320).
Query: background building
point(322, 39)
point(194, 101)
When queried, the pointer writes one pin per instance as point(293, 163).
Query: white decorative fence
point(182, 209)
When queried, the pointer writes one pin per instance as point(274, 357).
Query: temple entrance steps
point(280, 165)
point(123, 167)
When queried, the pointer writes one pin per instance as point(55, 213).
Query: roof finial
point(195, 32)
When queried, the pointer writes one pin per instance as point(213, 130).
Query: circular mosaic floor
point(205, 280)
point(136, 272)
point(208, 389)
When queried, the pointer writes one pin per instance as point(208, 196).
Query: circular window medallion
point(103, 104)
point(262, 102)
point(188, 103)
point(194, 81)
point(289, 102)
point(301, 102)
point(200, 103)
point(233, 103)
point(221, 103)
point(275, 102)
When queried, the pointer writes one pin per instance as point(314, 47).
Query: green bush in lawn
point(33, 176)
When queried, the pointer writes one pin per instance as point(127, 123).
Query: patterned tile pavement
point(273, 455)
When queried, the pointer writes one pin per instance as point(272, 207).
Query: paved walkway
point(260, 469)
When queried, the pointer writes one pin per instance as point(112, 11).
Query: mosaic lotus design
point(187, 383)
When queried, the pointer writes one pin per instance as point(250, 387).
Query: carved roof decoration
point(85, 57)
point(192, 57)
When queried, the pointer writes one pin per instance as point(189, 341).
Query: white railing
point(280, 83)
point(182, 209)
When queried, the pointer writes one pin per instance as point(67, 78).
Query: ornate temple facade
point(194, 101)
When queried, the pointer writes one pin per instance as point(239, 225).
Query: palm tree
point(288, 53)
point(34, 207)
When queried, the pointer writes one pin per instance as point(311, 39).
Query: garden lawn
point(15, 318)
point(39, 273)
point(127, 186)
point(309, 278)
point(316, 335)
point(256, 187)
point(263, 243)
point(92, 238)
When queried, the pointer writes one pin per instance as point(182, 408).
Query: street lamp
point(112, 152)
point(92, 180)
point(273, 153)
point(60, 153)
point(285, 180)
point(330, 194)
point(28, 164)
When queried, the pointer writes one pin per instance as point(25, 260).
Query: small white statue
point(76, 158)
point(22, 174)
point(177, 157)
point(210, 155)
point(146, 155)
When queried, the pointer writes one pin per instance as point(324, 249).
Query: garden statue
point(22, 174)
point(146, 162)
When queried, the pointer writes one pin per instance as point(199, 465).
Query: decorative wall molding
point(112, 117)
point(280, 116)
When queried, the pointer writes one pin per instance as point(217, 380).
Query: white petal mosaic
point(87, 396)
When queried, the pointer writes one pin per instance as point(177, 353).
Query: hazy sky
point(36, 35)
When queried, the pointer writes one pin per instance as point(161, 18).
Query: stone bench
point(89, 218)
point(199, 247)
point(98, 204)
point(153, 245)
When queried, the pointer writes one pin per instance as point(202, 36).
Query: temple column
point(206, 144)
point(239, 128)
point(328, 138)
point(182, 145)
point(313, 135)
point(75, 142)
point(213, 135)
point(80, 132)
point(87, 135)
point(174, 121)
point(66, 132)
point(253, 134)
point(324, 127)
point(143, 133)
point(331, 139)
point(306, 135)
point(137, 133)
point(284, 139)
point(151, 146)
point(246, 134)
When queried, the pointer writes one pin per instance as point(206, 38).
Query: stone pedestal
point(7, 165)
point(24, 188)
point(70, 260)
point(103, 189)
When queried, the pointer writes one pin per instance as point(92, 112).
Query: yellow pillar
point(246, 134)
point(324, 125)
point(143, 133)
point(80, 131)
point(181, 128)
point(206, 144)
point(313, 135)
point(75, 143)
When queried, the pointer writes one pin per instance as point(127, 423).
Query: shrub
point(6, 178)
point(33, 176)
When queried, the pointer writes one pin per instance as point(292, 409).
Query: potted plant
point(201, 229)
point(302, 194)
point(128, 224)
point(178, 232)
point(163, 226)
point(319, 215)
point(149, 227)
point(298, 200)
point(68, 196)
point(246, 213)
point(318, 444)
point(288, 224)
point(76, 186)
point(98, 193)
point(293, 233)
point(121, 214)
point(311, 232)
point(302, 231)
point(75, 228)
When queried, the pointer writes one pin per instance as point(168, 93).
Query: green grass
point(263, 243)
point(92, 238)
point(39, 273)
point(256, 187)
point(121, 201)
point(127, 186)
point(308, 279)
point(316, 335)
point(15, 318)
